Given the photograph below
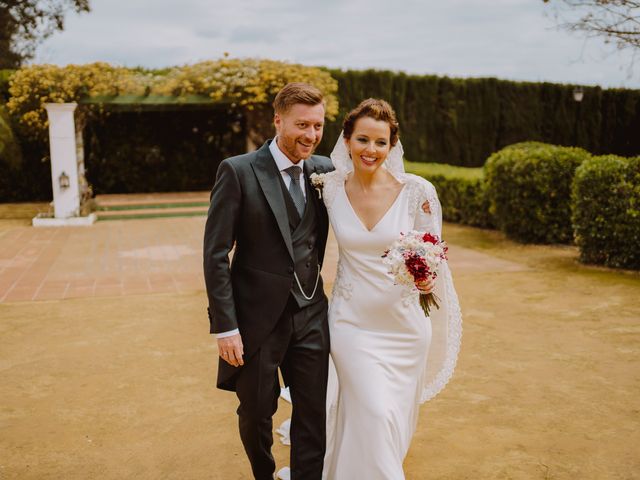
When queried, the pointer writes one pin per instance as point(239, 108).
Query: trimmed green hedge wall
point(463, 121)
point(159, 151)
point(442, 120)
point(462, 192)
point(606, 211)
point(529, 188)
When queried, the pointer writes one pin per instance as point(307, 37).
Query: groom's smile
point(299, 130)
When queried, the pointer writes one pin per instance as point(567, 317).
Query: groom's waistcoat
point(304, 236)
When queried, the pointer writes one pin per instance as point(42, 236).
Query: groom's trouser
point(299, 345)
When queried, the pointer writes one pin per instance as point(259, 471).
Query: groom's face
point(299, 130)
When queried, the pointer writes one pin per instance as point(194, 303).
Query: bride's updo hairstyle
point(376, 109)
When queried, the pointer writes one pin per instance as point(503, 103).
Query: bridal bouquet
point(414, 258)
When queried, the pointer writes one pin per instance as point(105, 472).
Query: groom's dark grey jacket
point(248, 210)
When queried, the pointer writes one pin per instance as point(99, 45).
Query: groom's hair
point(373, 108)
point(296, 92)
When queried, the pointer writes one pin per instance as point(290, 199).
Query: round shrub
point(529, 188)
point(606, 211)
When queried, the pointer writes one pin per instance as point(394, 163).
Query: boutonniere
point(317, 180)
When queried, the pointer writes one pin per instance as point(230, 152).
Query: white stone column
point(64, 168)
point(64, 160)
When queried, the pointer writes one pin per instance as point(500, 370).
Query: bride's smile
point(369, 144)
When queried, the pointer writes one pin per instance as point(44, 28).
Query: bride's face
point(369, 144)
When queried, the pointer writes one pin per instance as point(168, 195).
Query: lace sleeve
point(423, 192)
point(330, 188)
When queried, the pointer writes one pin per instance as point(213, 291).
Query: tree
point(617, 21)
point(26, 23)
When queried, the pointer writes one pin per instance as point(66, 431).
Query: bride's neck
point(366, 180)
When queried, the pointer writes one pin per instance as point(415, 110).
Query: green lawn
point(440, 169)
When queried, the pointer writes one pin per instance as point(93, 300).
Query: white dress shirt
point(283, 162)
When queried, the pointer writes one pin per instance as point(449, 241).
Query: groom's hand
point(231, 350)
point(427, 286)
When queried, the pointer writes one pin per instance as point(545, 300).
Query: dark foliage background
point(463, 121)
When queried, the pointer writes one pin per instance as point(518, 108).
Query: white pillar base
point(42, 221)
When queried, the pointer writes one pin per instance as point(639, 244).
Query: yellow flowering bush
point(246, 82)
point(33, 86)
point(243, 82)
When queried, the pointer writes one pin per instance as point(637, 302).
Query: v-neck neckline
point(353, 210)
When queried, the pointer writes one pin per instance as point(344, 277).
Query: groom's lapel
point(267, 174)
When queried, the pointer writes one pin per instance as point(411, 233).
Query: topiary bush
point(529, 189)
point(461, 190)
point(606, 211)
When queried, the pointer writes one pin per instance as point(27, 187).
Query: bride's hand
point(426, 286)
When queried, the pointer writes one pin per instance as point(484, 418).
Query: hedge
point(606, 211)
point(160, 151)
point(442, 120)
point(529, 189)
point(462, 192)
point(463, 121)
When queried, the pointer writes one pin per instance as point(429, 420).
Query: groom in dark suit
point(268, 307)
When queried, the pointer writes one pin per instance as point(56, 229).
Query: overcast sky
point(510, 39)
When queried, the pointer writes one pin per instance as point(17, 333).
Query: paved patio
point(109, 258)
point(132, 257)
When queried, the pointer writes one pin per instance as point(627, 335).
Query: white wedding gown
point(380, 338)
point(389, 358)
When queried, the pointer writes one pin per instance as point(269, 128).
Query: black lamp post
point(578, 95)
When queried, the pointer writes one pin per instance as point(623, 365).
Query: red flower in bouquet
point(428, 238)
point(417, 267)
point(413, 259)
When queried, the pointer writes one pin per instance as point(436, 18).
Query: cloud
point(504, 38)
point(254, 34)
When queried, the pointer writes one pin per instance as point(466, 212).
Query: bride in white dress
point(389, 357)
